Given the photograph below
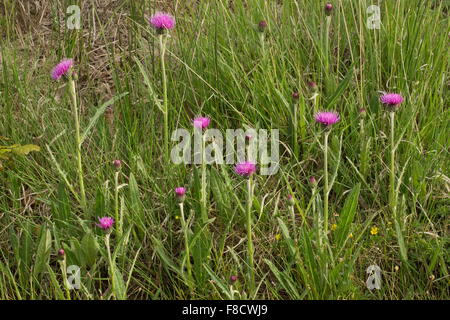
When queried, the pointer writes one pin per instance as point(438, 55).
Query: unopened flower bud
point(117, 164)
point(290, 200)
point(328, 9)
point(262, 25)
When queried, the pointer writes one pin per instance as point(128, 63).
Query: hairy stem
point(73, 96)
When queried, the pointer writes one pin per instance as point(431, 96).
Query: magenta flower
point(233, 278)
point(162, 21)
point(391, 99)
point(262, 25)
point(180, 191)
point(245, 169)
point(328, 9)
point(312, 180)
point(61, 69)
point(105, 223)
point(117, 164)
point(201, 122)
point(327, 118)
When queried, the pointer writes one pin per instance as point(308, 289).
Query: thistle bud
point(262, 25)
point(117, 164)
point(180, 194)
point(328, 9)
point(290, 200)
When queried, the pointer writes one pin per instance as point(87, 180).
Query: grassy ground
point(219, 65)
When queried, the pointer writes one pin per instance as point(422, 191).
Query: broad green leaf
point(25, 149)
point(43, 251)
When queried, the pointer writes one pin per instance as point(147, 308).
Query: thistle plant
point(180, 195)
point(247, 169)
point(327, 119)
point(163, 22)
point(64, 68)
point(106, 224)
point(392, 101)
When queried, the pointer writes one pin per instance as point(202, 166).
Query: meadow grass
point(220, 65)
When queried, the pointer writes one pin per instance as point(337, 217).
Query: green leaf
point(43, 251)
point(347, 216)
point(26, 149)
point(89, 247)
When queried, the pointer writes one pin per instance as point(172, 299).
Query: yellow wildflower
point(374, 231)
point(333, 226)
point(277, 236)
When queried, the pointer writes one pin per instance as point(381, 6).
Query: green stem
point(203, 186)
point(111, 265)
point(116, 202)
point(186, 244)
point(73, 96)
point(294, 130)
point(392, 197)
point(162, 44)
point(327, 56)
point(325, 189)
point(64, 274)
point(250, 249)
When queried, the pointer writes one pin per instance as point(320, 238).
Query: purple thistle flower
point(328, 9)
point(117, 164)
point(162, 21)
point(312, 180)
point(327, 118)
point(61, 69)
point(262, 25)
point(105, 223)
point(201, 122)
point(233, 278)
point(180, 191)
point(245, 169)
point(391, 100)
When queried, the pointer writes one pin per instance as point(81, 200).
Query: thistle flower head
point(295, 95)
point(105, 223)
point(201, 122)
point(233, 278)
point(290, 200)
point(117, 164)
point(262, 25)
point(312, 180)
point(327, 118)
point(61, 252)
point(162, 21)
point(180, 193)
point(61, 69)
point(391, 100)
point(313, 86)
point(245, 169)
point(328, 9)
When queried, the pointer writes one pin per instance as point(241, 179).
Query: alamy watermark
point(258, 146)
point(374, 279)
